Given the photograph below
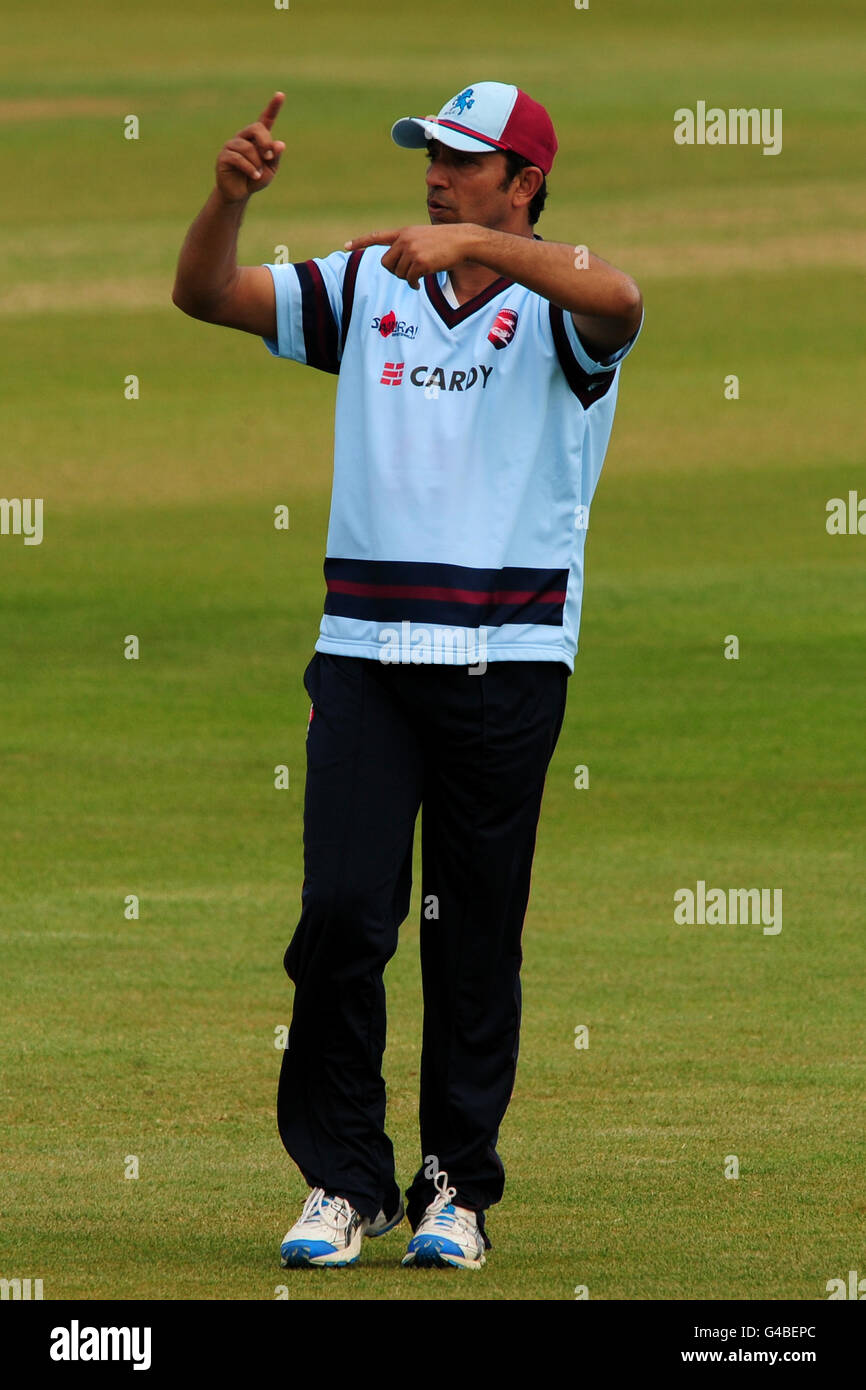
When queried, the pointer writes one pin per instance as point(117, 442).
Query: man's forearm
point(556, 272)
point(208, 264)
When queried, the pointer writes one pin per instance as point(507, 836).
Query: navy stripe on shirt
point(448, 595)
point(320, 327)
point(588, 387)
point(350, 275)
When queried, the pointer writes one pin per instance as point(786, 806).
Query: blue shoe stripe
point(428, 1247)
point(300, 1252)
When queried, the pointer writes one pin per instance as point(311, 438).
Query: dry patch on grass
point(830, 250)
point(16, 109)
point(682, 260)
point(741, 211)
point(87, 296)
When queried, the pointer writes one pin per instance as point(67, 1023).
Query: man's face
point(468, 187)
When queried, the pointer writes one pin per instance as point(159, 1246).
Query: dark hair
point(513, 165)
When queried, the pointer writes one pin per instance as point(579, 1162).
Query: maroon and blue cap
point(488, 116)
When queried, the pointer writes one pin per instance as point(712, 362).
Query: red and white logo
point(389, 324)
point(392, 374)
point(503, 328)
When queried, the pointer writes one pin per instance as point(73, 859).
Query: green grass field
point(155, 1037)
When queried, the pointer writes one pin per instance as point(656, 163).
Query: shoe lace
point(444, 1194)
point(434, 1214)
point(314, 1208)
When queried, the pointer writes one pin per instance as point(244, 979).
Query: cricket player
point(477, 368)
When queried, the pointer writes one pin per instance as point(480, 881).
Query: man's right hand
point(209, 284)
point(250, 161)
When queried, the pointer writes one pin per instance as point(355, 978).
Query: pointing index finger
point(372, 239)
point(272, 110)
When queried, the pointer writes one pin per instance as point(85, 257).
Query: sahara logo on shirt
point(390, 326)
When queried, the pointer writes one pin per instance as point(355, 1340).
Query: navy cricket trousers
point(473, 751)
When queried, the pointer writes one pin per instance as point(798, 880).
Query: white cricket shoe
point(446, 1235)
point(328, 1231)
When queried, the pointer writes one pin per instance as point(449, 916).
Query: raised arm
point(209, 283)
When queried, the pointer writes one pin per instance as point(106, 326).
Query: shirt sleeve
point(309, 299)
point(593, 364)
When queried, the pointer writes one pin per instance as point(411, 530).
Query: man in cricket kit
point(478, 369)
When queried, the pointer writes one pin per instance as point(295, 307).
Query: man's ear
point(529, 180)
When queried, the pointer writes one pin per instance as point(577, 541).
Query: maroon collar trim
point(450, 316)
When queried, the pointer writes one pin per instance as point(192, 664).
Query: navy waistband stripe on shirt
point(390, 591)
